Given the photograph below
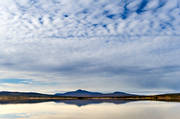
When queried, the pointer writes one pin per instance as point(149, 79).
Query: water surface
point(84, 110)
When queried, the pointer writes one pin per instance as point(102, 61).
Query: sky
point(98, 45)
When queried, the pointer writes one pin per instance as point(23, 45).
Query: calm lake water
point(84, 110)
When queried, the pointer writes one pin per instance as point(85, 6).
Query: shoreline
point(133, 98)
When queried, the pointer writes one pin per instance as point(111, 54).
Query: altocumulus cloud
point(104, 44)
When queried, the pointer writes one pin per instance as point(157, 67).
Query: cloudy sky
point(98, 45)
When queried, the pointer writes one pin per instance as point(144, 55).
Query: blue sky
point(98, 45)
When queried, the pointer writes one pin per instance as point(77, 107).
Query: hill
point(84, 93)
point(29, 94)
point(31, 97)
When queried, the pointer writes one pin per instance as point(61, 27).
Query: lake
point(91, 110)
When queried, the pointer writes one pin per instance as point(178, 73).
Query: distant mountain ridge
point(84, 93)
point(77, 93)
point(86, 97)
point(34, 94)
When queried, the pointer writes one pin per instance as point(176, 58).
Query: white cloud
point(67, 41)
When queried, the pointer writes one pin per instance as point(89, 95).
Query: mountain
point(79, 93)
point(28, 94)
point(118, 94)
point(81, 97)
point(84, 93)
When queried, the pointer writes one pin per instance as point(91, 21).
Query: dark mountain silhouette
point(77, 93)
point(28, 94)
point(84, 93)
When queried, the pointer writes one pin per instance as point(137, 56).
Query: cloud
point(91, 18)
point(132, 43)
point(15, 81)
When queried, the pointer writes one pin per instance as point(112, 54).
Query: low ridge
point(84, 93)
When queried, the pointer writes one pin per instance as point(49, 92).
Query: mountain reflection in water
point(73, 102)
point(88, 109)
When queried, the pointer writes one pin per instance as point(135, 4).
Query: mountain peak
point(84, 93)
point(80, 90)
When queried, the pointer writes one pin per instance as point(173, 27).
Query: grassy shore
point(165, 97)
